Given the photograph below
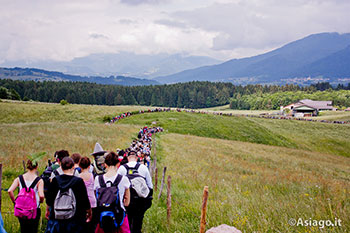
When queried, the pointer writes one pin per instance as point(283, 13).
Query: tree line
point(190, 95)
point(273, 101)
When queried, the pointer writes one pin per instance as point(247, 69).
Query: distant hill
point(318, 57)
point(44, 75)
point(336, 65)
point(123, 63)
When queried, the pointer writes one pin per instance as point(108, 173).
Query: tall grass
point(256, 188)
point(260, 172)
point(18, 112)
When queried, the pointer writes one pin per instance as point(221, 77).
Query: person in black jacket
point(82, 211)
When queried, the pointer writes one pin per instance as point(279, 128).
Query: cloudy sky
point(223, 29)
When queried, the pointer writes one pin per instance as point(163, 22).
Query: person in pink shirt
point(88, 179)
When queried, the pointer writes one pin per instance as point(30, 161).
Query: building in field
point(307, 108)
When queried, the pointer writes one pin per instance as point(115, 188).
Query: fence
point(154, 170)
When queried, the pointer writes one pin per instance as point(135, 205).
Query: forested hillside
point(340, 98)
point(45, 75)
point(188, 95)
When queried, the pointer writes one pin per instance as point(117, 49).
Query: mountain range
point(316, 58)
point(44, 75)
point(123, 63)
point(323, 57)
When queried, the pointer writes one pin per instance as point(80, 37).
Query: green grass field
point(227, 109)
point(260, 172)
point(334, 116)
point(325, 115)
point(19, 112)
point(311, 136)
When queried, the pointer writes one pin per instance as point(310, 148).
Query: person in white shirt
point(29, 225)
point(60, 155)
point(137, 207)
point(143, 170)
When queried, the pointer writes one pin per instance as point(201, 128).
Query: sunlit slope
point(254, 187)
point(15, 112)
point(313, 136)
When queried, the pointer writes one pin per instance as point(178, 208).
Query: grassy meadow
point(20, 112)
point(334, 116)
point(260, 172)
point(254, 187)
point(324, 115)
point(226, 109)
point(311, 136)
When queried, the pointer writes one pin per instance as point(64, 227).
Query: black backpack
point(110, 211)
point(46, 176)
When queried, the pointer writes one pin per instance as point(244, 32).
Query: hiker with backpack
point(76, 158)
point(112, 192)
point(99, 160)
point(56, 169)
point(68, 201)
point(141, 191)
point(31, 194)
point(88, 179)
point(60, 155)
point(52, 171)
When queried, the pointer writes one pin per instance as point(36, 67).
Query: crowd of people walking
point(267, 116)
point(109, 194)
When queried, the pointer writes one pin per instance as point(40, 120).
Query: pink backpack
point(25, 205)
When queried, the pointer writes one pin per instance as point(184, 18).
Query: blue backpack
point(108, 203)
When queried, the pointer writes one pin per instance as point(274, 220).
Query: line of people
point(111, 194)
point(127, 114)
point(122, 116)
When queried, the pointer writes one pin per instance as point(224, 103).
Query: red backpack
point(25, 204)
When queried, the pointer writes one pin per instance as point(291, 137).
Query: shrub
point(107, 118)
point(14, 94)
point(3, 93)
point(64, 102)
point(26, 98)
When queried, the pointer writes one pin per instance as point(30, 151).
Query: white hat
point(98, 149)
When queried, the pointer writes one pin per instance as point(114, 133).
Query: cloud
point(265, 24)
point(65, 29)
point(171, 23)
point(98, 36)
point(139, 2)
point(127, 21)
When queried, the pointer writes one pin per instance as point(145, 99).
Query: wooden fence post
point(204, 209)
point(154, 155)
point(0, 184)
point(154, 145)
point(153, 165)
point(168, 200)
point(154, 162)
point(155, 180)
point(162, 184)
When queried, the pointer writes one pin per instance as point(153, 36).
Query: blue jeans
point(64, 226)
